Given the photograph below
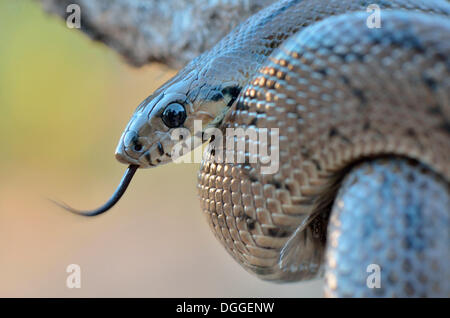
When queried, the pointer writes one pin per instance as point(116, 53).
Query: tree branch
point(172, 32)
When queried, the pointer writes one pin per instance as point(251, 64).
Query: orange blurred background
point(64, 101)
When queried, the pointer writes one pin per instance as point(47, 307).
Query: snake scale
point(363, 116)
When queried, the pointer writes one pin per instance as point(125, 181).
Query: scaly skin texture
point(337, 98)
point(392, 213)
point(340, 93)
point(210, 83)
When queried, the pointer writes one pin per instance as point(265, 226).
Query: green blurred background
point(64, 101)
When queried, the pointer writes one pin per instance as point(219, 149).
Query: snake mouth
point(125, 159)
point(156, 154)
point(146, 160)
point(150, 159)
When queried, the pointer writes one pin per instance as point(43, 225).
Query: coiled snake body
point(364, 123)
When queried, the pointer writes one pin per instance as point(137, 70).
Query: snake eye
point(137, 147)
point(174, 115)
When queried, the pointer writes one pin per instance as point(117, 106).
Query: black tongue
point(123, 185)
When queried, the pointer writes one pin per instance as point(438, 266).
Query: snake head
point(168, 116)
point(147, 141)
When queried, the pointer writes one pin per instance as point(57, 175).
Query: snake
point(361, 116)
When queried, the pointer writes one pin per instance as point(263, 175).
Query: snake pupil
point(138, 147)
point(174, 115)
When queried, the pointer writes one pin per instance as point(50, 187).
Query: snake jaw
point(160, 152)
point(125, 159)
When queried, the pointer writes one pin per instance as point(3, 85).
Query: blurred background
point(64, 101)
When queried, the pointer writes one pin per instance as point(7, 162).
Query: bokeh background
point(64, 101)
